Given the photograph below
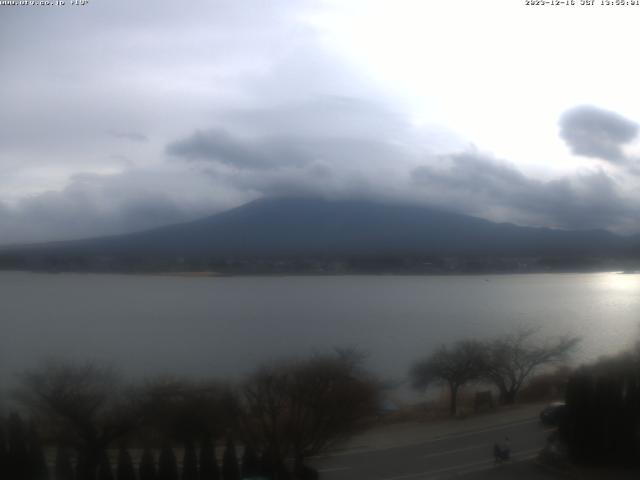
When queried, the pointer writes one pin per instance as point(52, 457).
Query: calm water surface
point(225, 326)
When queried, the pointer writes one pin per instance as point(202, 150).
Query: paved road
point(444, 457)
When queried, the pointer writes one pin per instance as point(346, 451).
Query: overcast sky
point(118, 115)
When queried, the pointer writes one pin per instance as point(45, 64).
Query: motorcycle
point(501, 454)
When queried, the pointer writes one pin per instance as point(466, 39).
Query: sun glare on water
point(620, 281)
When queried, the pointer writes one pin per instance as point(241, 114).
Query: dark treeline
point(316, 265)
point(96, 427)
point(602, 420)
point(22, 458)
point(21, 453)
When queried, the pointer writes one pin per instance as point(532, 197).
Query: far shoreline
point(215, 274)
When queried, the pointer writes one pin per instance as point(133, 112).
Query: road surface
point(448, 455)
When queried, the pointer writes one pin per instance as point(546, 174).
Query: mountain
point(308, 227)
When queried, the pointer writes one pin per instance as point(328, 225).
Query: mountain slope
point(290, 227)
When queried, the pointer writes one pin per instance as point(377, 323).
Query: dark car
point(553, 413)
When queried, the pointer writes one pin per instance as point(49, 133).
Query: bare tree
point(180, 410)
point(301, 408)
point(512, 359)
point(453, 366)
point(83, 404)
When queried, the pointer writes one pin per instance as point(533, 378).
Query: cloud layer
point(166, 114)
point(477, 184)
point(211, 170)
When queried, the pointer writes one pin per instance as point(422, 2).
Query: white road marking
point(448, 452)
point(483, 430)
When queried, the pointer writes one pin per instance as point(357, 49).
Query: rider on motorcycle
point(502, 452)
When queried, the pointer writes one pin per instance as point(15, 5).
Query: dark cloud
point(481, 185)
point(284, 151)
point(593, 132)
point(218, 145)
point(132, 136)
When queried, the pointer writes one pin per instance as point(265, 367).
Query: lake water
point(224, 327)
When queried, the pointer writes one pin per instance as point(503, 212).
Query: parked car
point(552, 413)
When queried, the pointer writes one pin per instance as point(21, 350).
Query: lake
point(224, 327)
